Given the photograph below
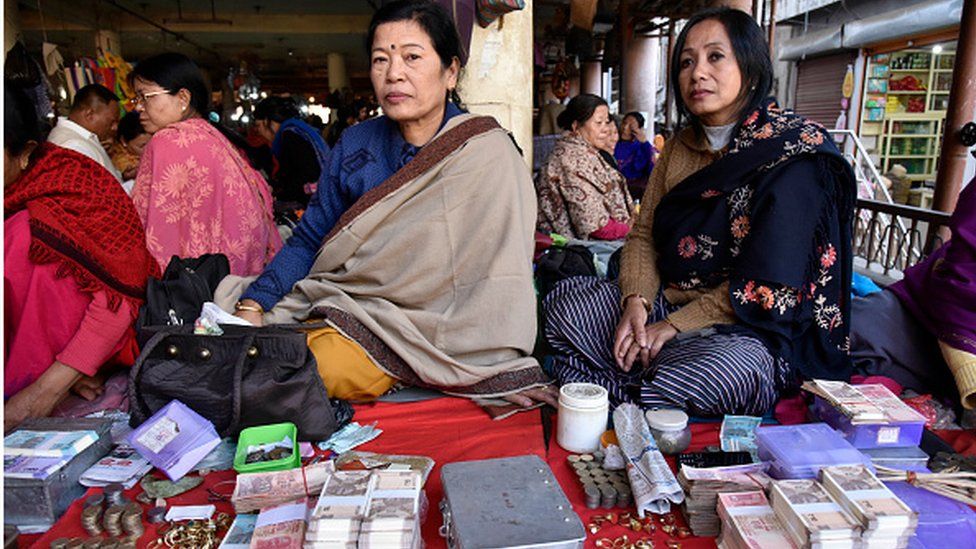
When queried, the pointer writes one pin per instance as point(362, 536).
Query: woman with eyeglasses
point(195, 192)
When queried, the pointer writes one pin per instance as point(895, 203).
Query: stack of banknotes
point(367, 509)
point(281, 526)
point(393, 514)
point(748, 522)
point(812, 517)
point(257, 491)
point(703, 486)
point(338, 515)
point(885, 521)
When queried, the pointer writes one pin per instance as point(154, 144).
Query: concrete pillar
point(109, 41)
point(591, 78)
point(497, 80)
point(640, 78)
point(11, 25)
point(338, 78)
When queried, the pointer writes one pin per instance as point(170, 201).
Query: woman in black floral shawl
point(735, 280)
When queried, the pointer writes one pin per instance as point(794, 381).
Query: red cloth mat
point(702, 435)
point(448, 430)
point(445, 429)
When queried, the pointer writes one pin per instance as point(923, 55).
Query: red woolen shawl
point(81, 219)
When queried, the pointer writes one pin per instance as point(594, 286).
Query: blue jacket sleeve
point(295, 259)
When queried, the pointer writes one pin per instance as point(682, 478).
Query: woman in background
point(580, 195)
point(195, 192)
point(127, 150)
point(299, 149)
point(75, 269)
point(635, 155)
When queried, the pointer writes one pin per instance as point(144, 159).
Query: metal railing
point(889, 238)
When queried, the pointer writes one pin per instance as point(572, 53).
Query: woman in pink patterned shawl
point(195, 192)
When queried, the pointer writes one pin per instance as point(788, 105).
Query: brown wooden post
point(772, 27)
point(962, 103)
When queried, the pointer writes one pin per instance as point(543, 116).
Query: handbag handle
point(138, 404)
point(235, 421)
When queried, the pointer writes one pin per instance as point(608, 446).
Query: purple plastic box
point(903, 427)
point(175, 439)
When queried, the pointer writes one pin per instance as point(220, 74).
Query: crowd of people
point(416, 239)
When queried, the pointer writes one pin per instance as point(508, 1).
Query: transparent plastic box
point(800, 451)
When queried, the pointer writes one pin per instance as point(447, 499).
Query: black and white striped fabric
point(709, 374)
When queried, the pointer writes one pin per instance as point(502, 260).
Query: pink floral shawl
point(196, 194)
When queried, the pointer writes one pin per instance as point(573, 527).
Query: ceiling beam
point(242, 23)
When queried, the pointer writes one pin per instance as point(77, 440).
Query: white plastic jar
point(670, 429)
point(583, 410)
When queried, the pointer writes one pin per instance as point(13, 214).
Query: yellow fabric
point(963, 368)
point(346, 369)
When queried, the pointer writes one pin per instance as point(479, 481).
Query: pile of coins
point(112, 520)
point(121, 519)
point(601, 488)
point(276, 453)
point(113, 494)
point(132, 520)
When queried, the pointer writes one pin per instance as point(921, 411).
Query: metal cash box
point(507, 502)
point(40, 503)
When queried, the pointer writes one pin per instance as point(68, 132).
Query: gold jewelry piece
point(647, 306)
point(250, 308)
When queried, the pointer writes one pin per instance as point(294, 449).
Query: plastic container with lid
point(670, 430)
point(583, 411)
point(800, 451)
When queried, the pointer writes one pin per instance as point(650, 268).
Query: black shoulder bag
point(245, 377)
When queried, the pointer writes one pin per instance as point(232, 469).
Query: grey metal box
point(507, 502)
point(36, 502)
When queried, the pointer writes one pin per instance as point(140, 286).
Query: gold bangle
point(647, 306)
point(250, 308)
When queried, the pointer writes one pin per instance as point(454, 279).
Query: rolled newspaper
point(653, 484)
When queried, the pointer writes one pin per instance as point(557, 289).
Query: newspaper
point(653, 484)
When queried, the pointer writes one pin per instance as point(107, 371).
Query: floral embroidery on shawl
point(196, 194)
point(788, 262)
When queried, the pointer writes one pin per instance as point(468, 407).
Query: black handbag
point(179, 296)
point(560, 263)
point(243, 378)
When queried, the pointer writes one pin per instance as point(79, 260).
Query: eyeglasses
point(143, 98)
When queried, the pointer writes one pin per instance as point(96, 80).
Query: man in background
point(92, 122)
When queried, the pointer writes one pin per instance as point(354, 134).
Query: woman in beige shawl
point(418, 250)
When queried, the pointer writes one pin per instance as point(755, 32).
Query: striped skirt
point(707, 373)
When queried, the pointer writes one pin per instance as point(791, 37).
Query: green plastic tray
point(265, 434)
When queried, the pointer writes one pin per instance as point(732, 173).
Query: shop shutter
point(818, 87)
